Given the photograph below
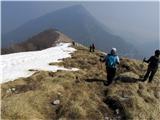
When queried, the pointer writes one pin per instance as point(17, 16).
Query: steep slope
point(77, 23)
point(43, 40)
point(81, 94)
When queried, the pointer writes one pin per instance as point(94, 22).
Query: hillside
point(81, 94)
point(43, 40)
point(77, 23)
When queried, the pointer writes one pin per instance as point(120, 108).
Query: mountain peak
point(78, 9)
point(78, 6)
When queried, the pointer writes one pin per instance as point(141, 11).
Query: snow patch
point(18, 64)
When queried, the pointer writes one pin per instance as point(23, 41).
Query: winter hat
point(114, 49)
point(157, 52)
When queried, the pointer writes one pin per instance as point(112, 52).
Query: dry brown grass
point(81, 93)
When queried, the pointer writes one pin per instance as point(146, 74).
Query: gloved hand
point(100, 59)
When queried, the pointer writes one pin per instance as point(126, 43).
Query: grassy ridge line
point(81, 93)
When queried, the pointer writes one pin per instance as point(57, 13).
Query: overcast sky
point(138, 20)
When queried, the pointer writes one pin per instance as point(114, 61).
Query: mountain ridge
point(77, 23)
point(43, 40)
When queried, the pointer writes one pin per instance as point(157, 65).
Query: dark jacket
point(153, 62)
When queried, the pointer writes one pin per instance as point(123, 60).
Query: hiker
point(92, 48)
point(152, 66)
point(111, 60)
point(73, 43)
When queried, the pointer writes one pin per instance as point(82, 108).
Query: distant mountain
point(43, 40)
point(77, 23)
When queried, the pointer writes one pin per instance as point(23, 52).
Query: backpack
point(111, 61)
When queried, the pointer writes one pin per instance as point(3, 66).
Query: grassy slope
point(82, 94)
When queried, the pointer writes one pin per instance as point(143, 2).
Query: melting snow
point(18, 64)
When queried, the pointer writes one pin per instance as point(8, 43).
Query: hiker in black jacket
point(152, 66)
point(90, 48)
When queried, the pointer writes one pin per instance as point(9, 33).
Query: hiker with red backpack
point(111, 60)
point(152, 66)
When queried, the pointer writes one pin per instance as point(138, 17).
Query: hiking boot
point(143, 80)
point(150, 81)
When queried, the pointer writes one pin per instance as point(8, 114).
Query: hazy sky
point(134, 20)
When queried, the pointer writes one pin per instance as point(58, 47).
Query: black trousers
point(91, 49)
point(150, 73)
point(111, 72)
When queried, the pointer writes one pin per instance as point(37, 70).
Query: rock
point(9, 90)
point(60, 94)
point(13, 89)
point(56, 102)
point(63, 118)
point(117, 111)
point(157, 94)
point(127, 94)
point(106, 118)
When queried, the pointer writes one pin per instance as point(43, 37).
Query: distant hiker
point(111, 60)
point(152, 66)
point(92, 48)
point(73, 43)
